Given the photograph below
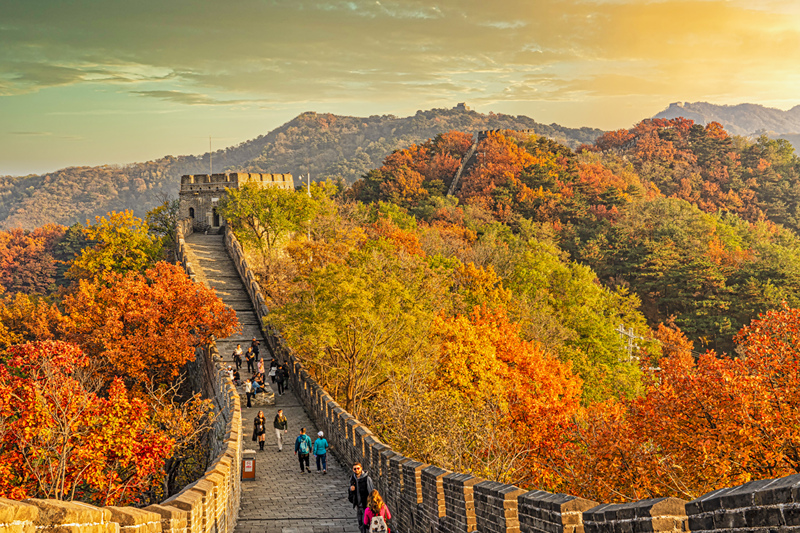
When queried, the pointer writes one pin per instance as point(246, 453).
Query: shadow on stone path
point(281, 499)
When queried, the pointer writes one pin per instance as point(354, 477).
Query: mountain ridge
point(323, 144)
point(748, 120)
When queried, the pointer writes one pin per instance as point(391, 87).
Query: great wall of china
point(423, 498)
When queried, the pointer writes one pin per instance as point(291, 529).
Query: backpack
point(378, 525)
point(304, 446)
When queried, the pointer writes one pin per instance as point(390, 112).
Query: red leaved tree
point(59, 439)
point(145, 326)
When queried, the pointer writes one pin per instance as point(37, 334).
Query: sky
point(89, 82)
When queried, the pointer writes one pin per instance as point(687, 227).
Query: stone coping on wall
point(426, 499)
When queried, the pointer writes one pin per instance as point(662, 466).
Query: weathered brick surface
point(544, 512)
point(660, 514)
point(763, 505)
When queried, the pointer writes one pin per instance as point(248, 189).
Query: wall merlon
point(172, 520)
point(18, 517)
point(132, 520)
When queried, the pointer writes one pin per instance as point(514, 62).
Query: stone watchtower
point(200, 193)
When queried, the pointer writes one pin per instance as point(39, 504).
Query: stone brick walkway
point(281, 499)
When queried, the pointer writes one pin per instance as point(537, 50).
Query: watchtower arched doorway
point(191, 212)
point(216, 218)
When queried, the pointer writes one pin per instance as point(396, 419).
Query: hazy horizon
point(88, 83)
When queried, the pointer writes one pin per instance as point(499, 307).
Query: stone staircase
point(215, 269)
point(280, 499)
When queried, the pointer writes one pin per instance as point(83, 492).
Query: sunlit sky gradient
point(111, 81)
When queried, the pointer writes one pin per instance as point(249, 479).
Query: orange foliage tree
point(505, 398)
point(703, 424)
point(145, 325)
point(27, 262)
point(62, 440)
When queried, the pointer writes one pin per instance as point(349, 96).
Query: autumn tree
point(145, 325)
point(262, 216)
point(62, 440)
point(27, 259)
point(162, 221)
point(353, 323)
point(118, 244)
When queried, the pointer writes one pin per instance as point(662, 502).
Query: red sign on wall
point(248, 468)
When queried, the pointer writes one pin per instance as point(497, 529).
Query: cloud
point(189, 98)
point(289, 51)
point(20, 77)
point(31, 133)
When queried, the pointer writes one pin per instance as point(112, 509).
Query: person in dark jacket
point(259, 429)
point(361, 487)
point(279, 377)
point(281, 426)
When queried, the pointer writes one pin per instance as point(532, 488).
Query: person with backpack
point(361, 487)
point(302, 447)
point(377, 514)
point(259, 429)
point(321, 451)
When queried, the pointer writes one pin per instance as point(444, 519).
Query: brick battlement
point(234, 180)
point(200, 193)
point(426, 499)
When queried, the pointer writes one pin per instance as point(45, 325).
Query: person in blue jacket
point(321, 451)
point(302, 448)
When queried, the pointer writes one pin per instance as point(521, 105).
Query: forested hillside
point(463, 332)
point(699, 225)
point(327, 146)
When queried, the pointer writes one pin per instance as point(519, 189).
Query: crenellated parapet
point(200, 193)
point(424, 498)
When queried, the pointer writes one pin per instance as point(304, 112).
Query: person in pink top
point(376, 509)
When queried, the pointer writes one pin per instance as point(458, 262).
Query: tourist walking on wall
point(321, 451)
point(361, 487)
point(279, 377)
point(237, 356)
point(281, 426)
point(248, 390)
point(377, 515)
point(251, 361)
point(260, 429)
point(273, 369)
point(256, 349)
point(302, 447)
point(285, 368)
point(261, 366)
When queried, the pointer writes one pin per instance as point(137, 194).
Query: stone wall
point(200, 193)
point(427, 499)
point(209, 505)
